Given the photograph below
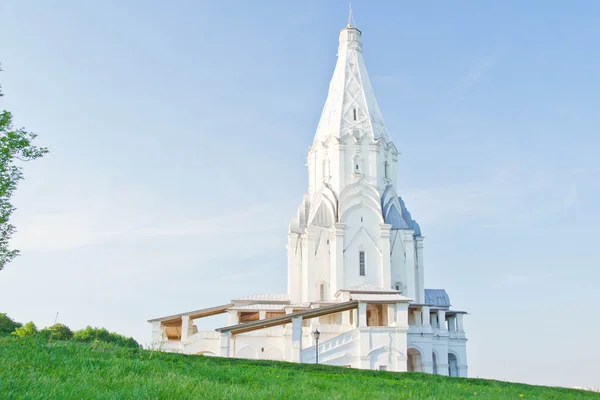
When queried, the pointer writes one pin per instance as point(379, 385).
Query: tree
point(7, 325)
point(16, 146)
point(57, 332)
point(90, 334)
point(29, 329)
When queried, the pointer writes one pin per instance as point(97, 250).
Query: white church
point(356, 292)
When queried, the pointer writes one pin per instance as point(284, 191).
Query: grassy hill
point(32, 369)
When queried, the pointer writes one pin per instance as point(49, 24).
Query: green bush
point(56, 332)
point(90, 334)
point(29, 329)
point(7, 325)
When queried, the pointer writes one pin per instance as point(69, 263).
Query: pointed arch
point(362, 232)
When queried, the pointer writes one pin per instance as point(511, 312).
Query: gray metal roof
point(437, 297)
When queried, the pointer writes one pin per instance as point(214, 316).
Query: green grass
point(32, 369)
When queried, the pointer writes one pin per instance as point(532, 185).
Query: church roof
point(380, 297)
point(351, 106)
point(437, 297)
point(395, 212)
point(368, 288)
point(259, 306)
point(411, 223)
point(272, 297)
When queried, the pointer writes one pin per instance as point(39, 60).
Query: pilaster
point(420, 270)
point(187, 327)
point(296, 339)
point(225, 344)
point(362, 315)
point(374, 161)
point(407, 236)
point(384, 245)
point(337, 260)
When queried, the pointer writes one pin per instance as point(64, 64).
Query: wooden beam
point(205, 312)
point(286, 319)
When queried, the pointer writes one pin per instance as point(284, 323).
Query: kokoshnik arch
point(355, 259)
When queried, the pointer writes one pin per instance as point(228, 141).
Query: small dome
point(437, 297)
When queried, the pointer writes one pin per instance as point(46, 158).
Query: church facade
point(356, 292)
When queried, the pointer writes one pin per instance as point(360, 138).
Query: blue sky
point(178, 134)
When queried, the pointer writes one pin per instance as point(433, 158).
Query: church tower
point(352, 229)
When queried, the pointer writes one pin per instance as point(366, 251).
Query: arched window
point(322, 292)
point(398, 286)
point(386, 170)
point(354, 113)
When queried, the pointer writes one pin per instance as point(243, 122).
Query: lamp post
point(316, 335)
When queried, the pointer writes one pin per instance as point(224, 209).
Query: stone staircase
point(330, 349)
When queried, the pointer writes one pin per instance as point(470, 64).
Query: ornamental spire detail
point(351, 107)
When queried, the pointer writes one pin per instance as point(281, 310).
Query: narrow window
point(322, 292)
point(386, 170)
point(354, 114)
point(361, 262)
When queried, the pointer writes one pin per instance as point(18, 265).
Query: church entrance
point(452, 365)
point(413, 361)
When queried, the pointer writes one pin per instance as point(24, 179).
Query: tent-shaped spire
point(351, 106)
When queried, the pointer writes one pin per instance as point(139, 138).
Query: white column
point(417, 314)
point(386, 278)
point(234, 317)
point(442, 361)
point(187, 327)
point(337, 260)
point(409, 246)
point(157, 333)
point(452, 323)
point(459, 323)
point(442, 323)
point(402, 315)
point(362, 315)
point(225, 344)
point(420, 271)
point(427, 357)
point(296, 339)
point(391, 314)
point(426, 319)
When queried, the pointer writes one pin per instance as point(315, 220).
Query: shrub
point(28, 329)
point(7, 325)
point(56, 332)
point(90, 334)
